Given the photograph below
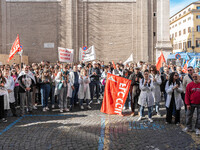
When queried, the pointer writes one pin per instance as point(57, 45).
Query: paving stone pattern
point(91, 129)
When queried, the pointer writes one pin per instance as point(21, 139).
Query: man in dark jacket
point(135, 92)
point(95, 75)
point(26, 81)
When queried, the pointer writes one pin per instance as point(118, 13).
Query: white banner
point(65, 55)
point(130, 59)
point(87, 55)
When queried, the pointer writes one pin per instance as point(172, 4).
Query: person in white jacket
point(156, 91)
point(146, 96)
point(173, 89)
point(10, 85)
point(84, 89)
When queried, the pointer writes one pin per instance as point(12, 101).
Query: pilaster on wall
point(163, 41)
point(3, 11)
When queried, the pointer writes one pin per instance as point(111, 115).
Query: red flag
point(161, 59)
point(185, 67)
point(113, 64)
point(15, 48)
point(115, 94)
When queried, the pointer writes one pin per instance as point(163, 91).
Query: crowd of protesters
point(65, 86)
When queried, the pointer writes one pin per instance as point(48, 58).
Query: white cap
point(79, 66)
point(94, 62)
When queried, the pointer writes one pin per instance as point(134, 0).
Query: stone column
point(163, 33)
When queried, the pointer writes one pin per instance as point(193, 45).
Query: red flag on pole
point(113, 65)
point(115, 94)
point(15, 48)
point(161, 59)
point(185, 67)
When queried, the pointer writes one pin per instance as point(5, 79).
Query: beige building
point(185, 29)
point(116, 28)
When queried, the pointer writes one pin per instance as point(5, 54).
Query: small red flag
point(161, 59)
point(15, 48)
point(113, 64)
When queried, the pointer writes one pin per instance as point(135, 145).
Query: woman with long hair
point(173, 89)
point(155, 76)
point(45, 89)
point(84, 88)
point(146, 96)
point(3, 92)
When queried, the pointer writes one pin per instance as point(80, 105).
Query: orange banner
point(115, 94)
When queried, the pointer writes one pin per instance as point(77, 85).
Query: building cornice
point(110, 1)
point(32, 1)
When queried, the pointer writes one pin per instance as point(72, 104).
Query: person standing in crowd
point(63, 89)
point(104, 78)
point(16, 88)
point(146, 96)
point(156, 90)
point(25, 80)
point(9, 85)
point(196, 70)
point(127, 103)
point(164, 78)
point(186, 80)
point(174, 100)
point(180, 73)
point(192, 100)
point(135, 78)
point(117, 71)
point(95, 75)
point(45, 89)
point(53, 86)
point(74, 87)
point(3, 103)
point(84, 89)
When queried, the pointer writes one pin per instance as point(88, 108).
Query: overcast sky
point(177, 5)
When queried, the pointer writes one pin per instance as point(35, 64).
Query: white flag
point(65, 55)
point(87, 55)
point(130, 59)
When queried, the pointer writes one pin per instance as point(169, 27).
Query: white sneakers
point(34, 107)
point(61, 110)
point(140, 118)
point(44, 109)
point(53, 106)
point(149, 119)
point(186, 129)
point(89, 107)
point(197, 131)
point(82, 107)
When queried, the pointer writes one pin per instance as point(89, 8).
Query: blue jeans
point(149, 111)
point(157, 106)
point(128, 102)
point(92, 85)
point(45, 91)
point(81, 102)
point(74, 98)
point(52, 95)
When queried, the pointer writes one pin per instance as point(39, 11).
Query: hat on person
point(79, 66)
point(137, 68)
point(94, 62)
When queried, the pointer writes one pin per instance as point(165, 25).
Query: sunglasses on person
point(194, 76)
point(176, 75)
point(190, 70)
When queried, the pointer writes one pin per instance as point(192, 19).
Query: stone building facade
point(116, 28)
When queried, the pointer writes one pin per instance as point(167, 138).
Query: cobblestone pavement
point(91, 129)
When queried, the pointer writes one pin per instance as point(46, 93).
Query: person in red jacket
point(192, 100)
